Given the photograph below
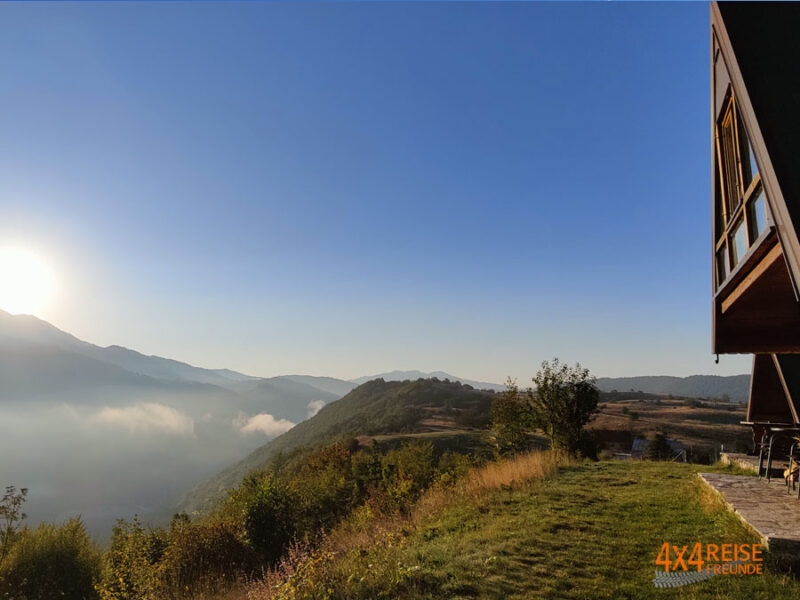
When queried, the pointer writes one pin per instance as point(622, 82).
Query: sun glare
point(26, 281)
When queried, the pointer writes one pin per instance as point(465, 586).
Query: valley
point(175, 437)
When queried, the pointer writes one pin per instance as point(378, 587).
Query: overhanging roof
point(765, 41)
point(757, 309)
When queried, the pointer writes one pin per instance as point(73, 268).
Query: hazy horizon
point(401, 368)
point(345, 189)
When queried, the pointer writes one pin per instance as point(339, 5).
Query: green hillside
point(373, 408)
point(578, 531)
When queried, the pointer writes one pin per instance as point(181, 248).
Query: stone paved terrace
point(765, 507)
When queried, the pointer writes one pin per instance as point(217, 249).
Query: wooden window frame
point(731, 210)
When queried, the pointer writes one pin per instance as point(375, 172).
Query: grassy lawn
point(593, 531)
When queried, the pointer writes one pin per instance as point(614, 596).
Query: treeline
point(292, 501)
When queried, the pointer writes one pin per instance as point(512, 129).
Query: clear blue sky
point(344, 189)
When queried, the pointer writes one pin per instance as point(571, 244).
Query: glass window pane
point(758, 215)
point(749, 166)
point(739, 242)
point(722, 263)
point(729, 175)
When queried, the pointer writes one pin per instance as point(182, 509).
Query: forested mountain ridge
point(373, 408)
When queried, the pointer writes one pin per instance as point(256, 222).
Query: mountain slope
point(73, 414)
point(695, 386)
point(339, 387)
point(27, 328)
point(167, 368)
point(37, 358)
point(30, 370)
point(376, 407)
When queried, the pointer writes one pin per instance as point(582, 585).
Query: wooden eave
point(755, 310)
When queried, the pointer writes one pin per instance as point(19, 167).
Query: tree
point(266, 508)
point(658, 448)
point(11, 517)
point(130, 569)
point(408, 470)
point(564, 401)
point(511, 420)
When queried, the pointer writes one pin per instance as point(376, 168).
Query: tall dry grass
point(517, 470)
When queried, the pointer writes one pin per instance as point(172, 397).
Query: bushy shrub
point(324, 489)
point(266, 507)
point(204, 558)
point(130, 570)
point(511, 421)
point(453, 466)
point(408, 470)
point(51, 562)
point(319, 574)
point(366, 470)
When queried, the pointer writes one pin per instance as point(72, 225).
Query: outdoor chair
point(779, 443)
point(790, 474)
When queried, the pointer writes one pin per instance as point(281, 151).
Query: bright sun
point(26, 281)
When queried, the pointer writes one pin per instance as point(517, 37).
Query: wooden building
point(755, 129)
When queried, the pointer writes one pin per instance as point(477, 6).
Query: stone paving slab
point(765, 507)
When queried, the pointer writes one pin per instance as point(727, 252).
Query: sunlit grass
point(535, 527)
point(507, 472)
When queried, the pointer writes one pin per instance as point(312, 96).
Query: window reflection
point(729, 165)
point(739, 242)
point(749, 165)
point(758, 215)
point(722, 263)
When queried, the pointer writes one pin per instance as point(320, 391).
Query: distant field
point(701, 429)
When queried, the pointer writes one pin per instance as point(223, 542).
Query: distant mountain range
point(736, 387)
point(107, 432)
point(16, 329)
